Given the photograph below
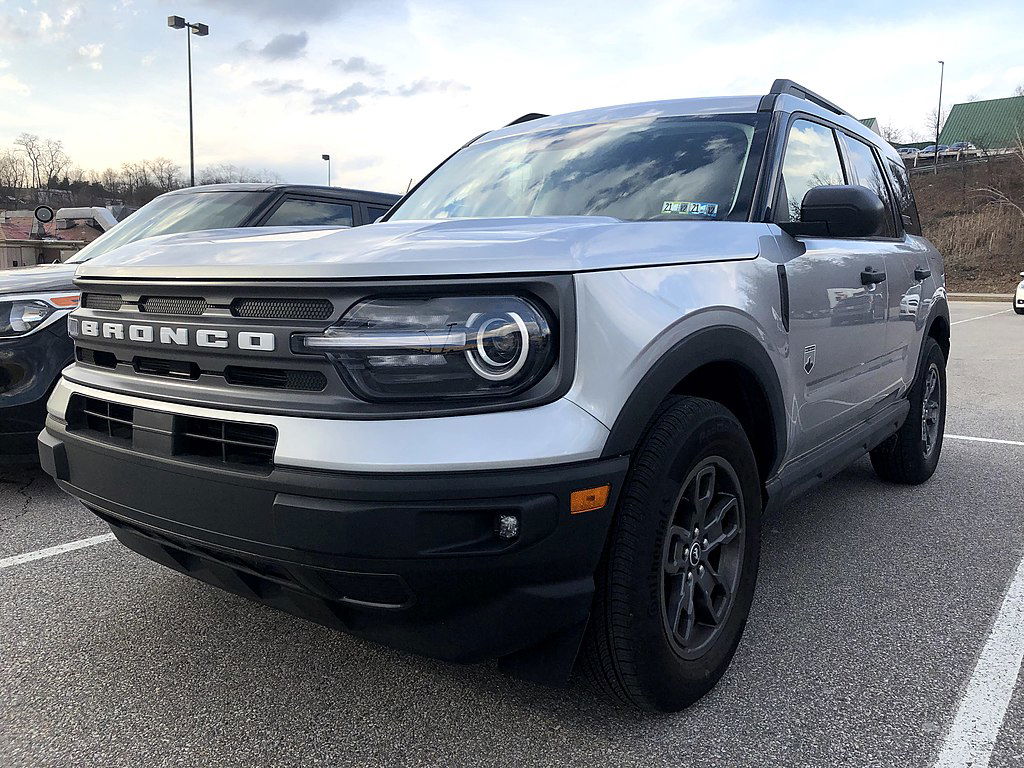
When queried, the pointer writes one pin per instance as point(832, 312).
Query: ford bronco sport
point(537, 413)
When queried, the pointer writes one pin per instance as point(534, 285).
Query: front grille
point(283, 309)
point(176, 369)
point(275, 378)
point(108, 301)
point(96, 357)
point(108, 420)
point(173, 305)
point(228, 441)
point(239, 445)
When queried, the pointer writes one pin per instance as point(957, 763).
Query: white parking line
point(979, 317)
point(984, 440)
point(975, 728)
point(60, 549)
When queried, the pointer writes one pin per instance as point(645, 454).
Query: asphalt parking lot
point(873, 606)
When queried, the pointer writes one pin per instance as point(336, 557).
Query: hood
point(429, 248)
point(48, 277)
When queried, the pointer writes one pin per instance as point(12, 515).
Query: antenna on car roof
point(795, 89)
point(526, 118)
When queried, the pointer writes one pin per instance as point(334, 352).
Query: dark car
point(34, 301)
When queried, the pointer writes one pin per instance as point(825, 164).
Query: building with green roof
point(990, 124)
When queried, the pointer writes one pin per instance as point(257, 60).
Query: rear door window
point(812, 160)
point(905, 198)
point(868, 173)
point(305, 212)
point(373, 213)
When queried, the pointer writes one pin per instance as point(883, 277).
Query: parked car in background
point(1018, 298)
point(907, 151)
point(34, 301)
point(931, 149)
point(962, 146)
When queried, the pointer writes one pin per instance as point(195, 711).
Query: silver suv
point(539, 411)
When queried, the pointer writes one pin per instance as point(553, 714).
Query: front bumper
point(29, 367)
point(411, 560)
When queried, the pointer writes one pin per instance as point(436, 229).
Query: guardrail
point(921, 161)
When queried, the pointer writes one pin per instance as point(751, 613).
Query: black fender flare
point(716, 344)
point(939, 310)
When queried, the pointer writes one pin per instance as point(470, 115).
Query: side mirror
point(845, 210)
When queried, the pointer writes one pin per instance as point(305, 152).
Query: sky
point(389, 88)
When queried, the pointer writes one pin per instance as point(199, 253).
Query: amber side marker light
point(64, 301)
point(588, 499)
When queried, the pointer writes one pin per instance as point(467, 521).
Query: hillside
point(983, 244)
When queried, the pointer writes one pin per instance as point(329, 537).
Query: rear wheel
point(912, 454)
point(1018, 310)
point(676, 586)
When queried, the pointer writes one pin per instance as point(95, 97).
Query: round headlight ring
point(503, 373)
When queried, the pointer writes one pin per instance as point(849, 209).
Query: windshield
point(180, 212)
point(636, 170)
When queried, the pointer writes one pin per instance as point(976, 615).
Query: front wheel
point(675, 589)
point(1018, 310)
point(912, 454)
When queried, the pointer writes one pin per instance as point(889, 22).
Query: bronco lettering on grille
point(208, 338)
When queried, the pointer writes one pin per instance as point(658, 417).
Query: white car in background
point(1018, 299)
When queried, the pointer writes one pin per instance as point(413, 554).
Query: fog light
point(507, 527)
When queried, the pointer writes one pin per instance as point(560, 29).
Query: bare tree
point(165, 173)
point(1019, 90)
point(890, 133)
point(28, 143)
point(13, 170)
point(936, 121)
point(53, 161)
point(226, 173)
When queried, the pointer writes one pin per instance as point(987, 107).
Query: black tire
point(632, 652)
point(1019, 310)
point(908, 457)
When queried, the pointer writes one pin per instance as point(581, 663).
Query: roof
point(990, 124)
point(20, 228)
point(870, 122)
point(361, 195)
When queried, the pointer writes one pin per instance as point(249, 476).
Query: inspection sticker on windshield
point(690, 209)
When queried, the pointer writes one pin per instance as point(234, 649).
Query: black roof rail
point(526, 118)
point(795, 89)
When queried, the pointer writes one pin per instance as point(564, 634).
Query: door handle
point(870, 277)
point(922, 274)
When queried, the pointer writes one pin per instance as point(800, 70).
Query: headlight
point(19, 317)
point(438, 348)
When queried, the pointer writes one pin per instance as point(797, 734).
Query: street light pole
point(201, 30)
point(328, 159)
point(938, 114)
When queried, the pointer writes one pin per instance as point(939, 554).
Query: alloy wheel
point(703, 557)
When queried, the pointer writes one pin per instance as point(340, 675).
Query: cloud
point(426, 85)
point(148, 59)
point(355, 65)
point(341, 101)
point(90, 54)
point(273, 87)
point(282, 47)
point(302, 10)
point(45, 22)
point(11, 84)
point(71, 13)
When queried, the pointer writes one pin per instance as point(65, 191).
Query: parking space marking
point(979, 317)
point(972, 736)
point(984, 440)
point(60, 549)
